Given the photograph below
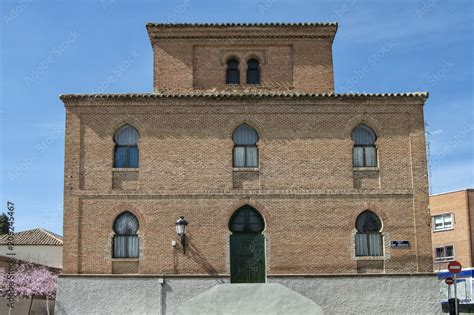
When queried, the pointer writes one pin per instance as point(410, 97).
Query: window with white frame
point(443, 222)
point(444, 253)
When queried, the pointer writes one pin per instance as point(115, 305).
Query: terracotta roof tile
point(245, 94)
point(302, 24)
point(33, 237)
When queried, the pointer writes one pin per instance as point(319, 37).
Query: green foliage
point(4, 226)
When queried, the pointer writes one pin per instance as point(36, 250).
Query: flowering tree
point(3, 282)
point(30, 280)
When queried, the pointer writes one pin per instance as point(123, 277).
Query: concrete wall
point(369, 294)
point(51, 256)
point(100, 295)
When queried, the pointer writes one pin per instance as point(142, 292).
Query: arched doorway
point(247, 246)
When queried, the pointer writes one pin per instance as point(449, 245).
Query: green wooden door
point(247, 258)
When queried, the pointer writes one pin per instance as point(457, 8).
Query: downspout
point(469, 228)
point(163, 296)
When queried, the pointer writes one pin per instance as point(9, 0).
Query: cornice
point(227, 25)
point(240, 31)
point(237, 193)
point(245, 94)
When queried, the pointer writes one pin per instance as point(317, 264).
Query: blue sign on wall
point(399, 244)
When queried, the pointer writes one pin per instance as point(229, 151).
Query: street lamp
point(181, 230)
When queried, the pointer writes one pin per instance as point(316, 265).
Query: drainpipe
point(469, 227)
point(162, 296)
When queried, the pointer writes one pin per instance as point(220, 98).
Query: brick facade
point(305, 186)
point(291, 58)
point(460, 235)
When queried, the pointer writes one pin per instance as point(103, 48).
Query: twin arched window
point(253, 71)
point(126, 147)
point(245, 146)
point(368, 238)
point(364, 152)
point(125, 241)
point(233, 72)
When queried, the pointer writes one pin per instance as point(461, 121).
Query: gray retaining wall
point(377, 294)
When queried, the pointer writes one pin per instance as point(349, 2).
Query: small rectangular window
point(444, 253)
point(448, 222)
point(443, 222)
point(439, 252)
point(449, 251)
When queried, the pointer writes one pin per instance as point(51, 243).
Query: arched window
point(126, 147)
point(246, 220)
point(125, 242)
point(368, 237)
point(233, 73)
point(364, 152)
point(245, 147)
point(253, 71)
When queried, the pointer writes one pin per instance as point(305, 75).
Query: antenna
point(428, 135)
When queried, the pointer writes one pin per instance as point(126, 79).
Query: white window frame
point(444, 258)
point(443, 227)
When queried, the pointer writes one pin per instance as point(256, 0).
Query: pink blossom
point(30, 280)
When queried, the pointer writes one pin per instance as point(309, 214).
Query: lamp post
point(181, 230)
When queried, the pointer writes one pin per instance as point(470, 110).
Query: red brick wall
point(304, 187)
point(298, 58)
point(461, 235)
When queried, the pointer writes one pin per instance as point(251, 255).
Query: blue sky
point(53, 47)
